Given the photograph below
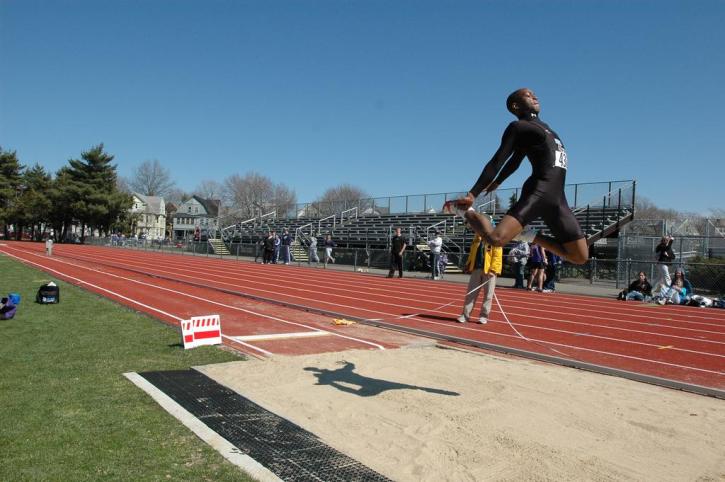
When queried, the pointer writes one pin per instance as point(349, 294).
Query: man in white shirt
point(435, 245)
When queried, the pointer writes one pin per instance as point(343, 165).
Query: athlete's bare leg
point(576, 252)
point(504, 231)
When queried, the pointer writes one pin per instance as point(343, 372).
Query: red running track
point(682, 344)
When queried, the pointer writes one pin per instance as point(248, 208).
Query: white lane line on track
point(281, 336)
point(234, 339)
point(113, 293)
point(379, 347)
point(266, 281)
point(227, 268)
point(535, 327)
point(561, 345)
point(67, 276)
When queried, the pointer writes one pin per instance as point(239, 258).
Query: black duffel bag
point(48, 293)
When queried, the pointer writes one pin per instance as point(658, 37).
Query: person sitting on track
point(678, 292)
point(542, 194)
point(639, 290)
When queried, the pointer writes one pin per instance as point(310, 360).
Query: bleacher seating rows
point(374, 231)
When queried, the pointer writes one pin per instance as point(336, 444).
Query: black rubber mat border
point(286, 449)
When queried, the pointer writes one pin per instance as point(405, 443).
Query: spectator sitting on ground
point(639, 289)
point(678, 292)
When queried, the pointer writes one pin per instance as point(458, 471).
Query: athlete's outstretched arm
point(497, 161)
point(510, 167)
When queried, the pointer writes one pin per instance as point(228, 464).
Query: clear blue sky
point(397, 97)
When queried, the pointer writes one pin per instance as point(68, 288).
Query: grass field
point(67, 411)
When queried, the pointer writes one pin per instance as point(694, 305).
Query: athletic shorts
point(536, 265)
point(556, 215)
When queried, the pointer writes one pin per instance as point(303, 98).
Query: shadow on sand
point(346, 380)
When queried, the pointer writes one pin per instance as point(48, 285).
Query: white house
point(150, 216)
point(196, 215)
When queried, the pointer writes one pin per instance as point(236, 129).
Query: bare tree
point(254, 194)
point(646, 209)
point(176, 196)
point(284, 199)
point(122, 185)
point(209, 189)
point(151, 179)
point(338, 198)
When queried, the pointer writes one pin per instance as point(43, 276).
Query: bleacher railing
point(579, 195)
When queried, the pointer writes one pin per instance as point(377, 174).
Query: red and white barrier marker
point(201, 330)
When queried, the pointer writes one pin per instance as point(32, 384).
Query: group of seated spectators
point(671, 290)
point(677, 292)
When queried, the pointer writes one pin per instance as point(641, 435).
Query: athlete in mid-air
point(542, 195)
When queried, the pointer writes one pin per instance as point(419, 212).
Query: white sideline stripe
point(379, 347)
point(279, 336)
point(122, 297)
point(136, 302)
point(234, 339)
point(213, 439)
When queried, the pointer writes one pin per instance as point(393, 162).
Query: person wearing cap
point(435, 246)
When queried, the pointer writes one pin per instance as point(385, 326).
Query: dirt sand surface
point(432, 414)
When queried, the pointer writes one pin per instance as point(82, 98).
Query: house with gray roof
point(149, 214)
point(196, 215)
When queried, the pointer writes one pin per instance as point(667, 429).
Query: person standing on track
point(312, 250)
point(542, 194)
point(397, 248)
point(329, 244)
point(286, 246)
point(484, 263)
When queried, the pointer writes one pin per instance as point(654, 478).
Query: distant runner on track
point(542, 195)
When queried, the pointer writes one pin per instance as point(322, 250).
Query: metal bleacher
point(373, 231)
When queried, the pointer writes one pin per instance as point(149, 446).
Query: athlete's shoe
point(462, 319)
point(482, 320)
point(527, 235)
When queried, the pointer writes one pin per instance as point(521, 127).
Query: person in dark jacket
point(639, 290)
point(665, 256)
point(553, 261)
point(286, 241)
point(537, 265)
point(397, 247)
point(268, 248)
point(329, 244)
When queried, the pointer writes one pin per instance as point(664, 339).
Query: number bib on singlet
point(560, 159)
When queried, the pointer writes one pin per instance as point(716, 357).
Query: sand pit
point(438, 414)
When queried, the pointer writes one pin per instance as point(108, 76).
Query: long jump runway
point(277, 309)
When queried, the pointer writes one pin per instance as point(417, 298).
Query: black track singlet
point(542, 195)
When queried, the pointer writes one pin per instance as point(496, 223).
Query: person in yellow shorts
point(484, 263)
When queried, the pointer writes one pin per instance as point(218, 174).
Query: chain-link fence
point(686, 248)
point(706, 275)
